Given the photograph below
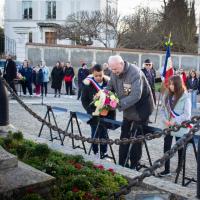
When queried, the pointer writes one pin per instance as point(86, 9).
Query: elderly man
point(136, 102)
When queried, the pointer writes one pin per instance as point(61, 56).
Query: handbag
point(68, 78)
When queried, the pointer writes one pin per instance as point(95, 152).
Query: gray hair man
point(136, 102)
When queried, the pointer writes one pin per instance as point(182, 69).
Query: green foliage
point(41, 150)
point(18, 135)
point(32, 197)
point(75, 178)
point(21, 151)
point(7, 142)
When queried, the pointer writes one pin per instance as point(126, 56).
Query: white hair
point(115, 58)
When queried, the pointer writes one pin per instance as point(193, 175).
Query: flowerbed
point(75, 178)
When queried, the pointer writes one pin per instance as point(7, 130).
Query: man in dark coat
point(10, 72)
point(83, 72)
point(150, 74)
point(136, 102)
point(57, 77)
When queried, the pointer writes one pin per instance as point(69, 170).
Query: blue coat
point(82, 74)
point(27, 72)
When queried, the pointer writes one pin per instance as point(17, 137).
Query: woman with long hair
point(176, 109)
point(192, 86)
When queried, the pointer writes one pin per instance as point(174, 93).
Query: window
point(51, 9)
point(50, 37)
point(27, 9)
point(30, 37)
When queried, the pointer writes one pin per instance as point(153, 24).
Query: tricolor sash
point(173, 114)
point(94, 83)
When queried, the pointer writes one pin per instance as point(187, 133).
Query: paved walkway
point(25, 122)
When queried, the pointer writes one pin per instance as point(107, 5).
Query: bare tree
point(142, 33)
point(84, 28)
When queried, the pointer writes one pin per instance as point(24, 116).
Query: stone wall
point(53, 53)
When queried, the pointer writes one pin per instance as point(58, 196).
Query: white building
point(35, 21)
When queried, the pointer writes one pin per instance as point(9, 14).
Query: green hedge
point(75, 178)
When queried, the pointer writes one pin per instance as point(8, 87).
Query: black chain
point(132, 140)
point(158, 163)
point(147, 172)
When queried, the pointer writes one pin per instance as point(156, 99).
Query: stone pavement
point(22, 120)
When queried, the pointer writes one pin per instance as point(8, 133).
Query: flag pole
point(168, 43)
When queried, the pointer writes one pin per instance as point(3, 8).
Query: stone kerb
point(16, 178)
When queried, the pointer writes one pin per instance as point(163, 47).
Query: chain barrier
point(158, 163)
point(147, 172)
point(131, 140)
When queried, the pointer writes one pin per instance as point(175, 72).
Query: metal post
point(4, 117)
point(199, 37)
point(198, 171)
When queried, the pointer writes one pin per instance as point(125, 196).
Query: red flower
point(78, 166)
point(112, 171)
point(88, 195)
point(107, 101)
point(75, 189)
point(101, 167)
point(29, 190)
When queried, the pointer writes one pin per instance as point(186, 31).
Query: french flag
point(168, 70)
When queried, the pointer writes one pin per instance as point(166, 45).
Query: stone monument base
point(18, 179)
point(5, 129)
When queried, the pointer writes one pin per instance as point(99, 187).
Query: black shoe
point(164, 173)
point(55, 95)
point(103, 155)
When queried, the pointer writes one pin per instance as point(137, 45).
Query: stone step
point(7, 160)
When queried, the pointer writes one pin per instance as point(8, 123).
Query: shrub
point(17, 136)
point(7, 142)
point(41, 150)
point(21, 150)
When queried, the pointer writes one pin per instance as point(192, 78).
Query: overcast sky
point(125, 6)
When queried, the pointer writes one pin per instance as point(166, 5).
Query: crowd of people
point(135, 89)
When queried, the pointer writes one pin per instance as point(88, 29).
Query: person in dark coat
point(136, 102)
point(10, 72)
point(83, 72)
point(88, 93)
point(27, 73)
point(37, 79)
point(57, 77)
point(150, 74)
point(68, 77)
